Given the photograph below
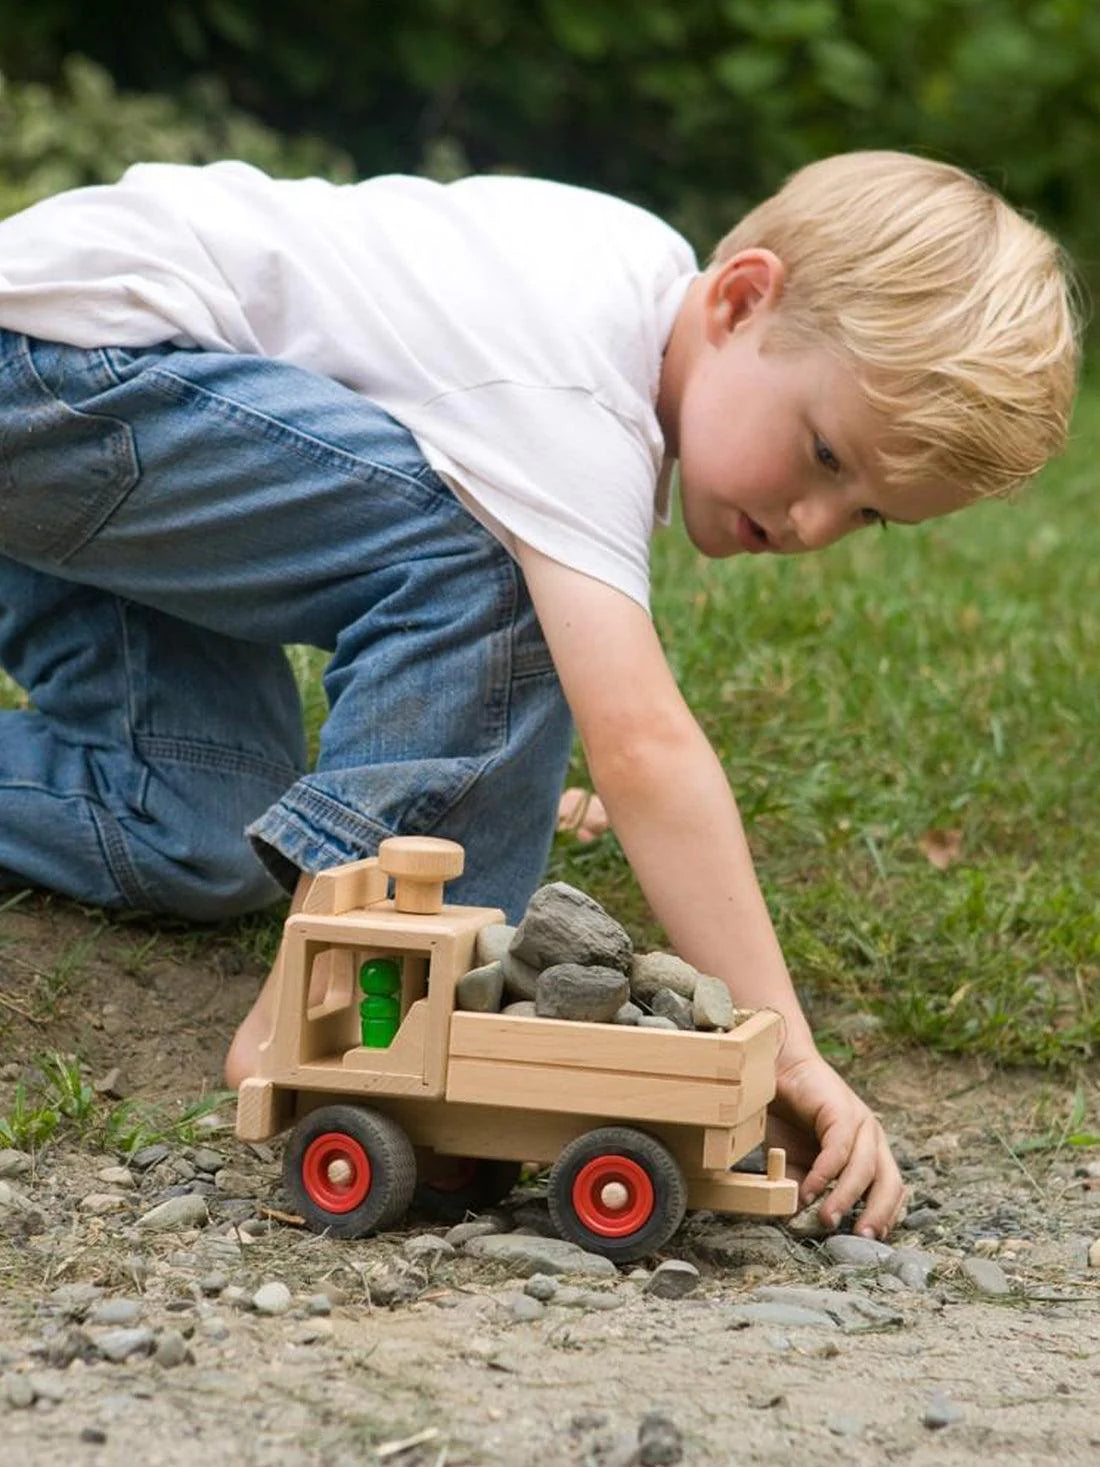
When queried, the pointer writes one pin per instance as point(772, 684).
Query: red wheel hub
point(336, 1172)
point(613, 1196)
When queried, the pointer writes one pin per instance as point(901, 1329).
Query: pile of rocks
point(568, 959)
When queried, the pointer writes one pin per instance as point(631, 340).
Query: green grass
point(944, 678)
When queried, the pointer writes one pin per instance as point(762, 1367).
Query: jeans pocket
point(63, 471)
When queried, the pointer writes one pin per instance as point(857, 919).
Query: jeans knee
point(215, 888)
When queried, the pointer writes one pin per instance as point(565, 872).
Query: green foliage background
point(696, 108)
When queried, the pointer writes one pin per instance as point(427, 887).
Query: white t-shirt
point(515, 327)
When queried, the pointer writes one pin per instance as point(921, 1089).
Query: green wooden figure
point(380, 1010)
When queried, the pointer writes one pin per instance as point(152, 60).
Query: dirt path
point(464, 1367)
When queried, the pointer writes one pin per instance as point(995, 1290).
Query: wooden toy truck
point(638, 1124)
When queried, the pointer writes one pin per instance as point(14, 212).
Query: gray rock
point(116, 1312)
point(912, 1267)
point(920, 1218)
point(527, 1254)
point(14, 1163)
point(656, 1021)
point(940, 1412)
point(520, 978)
point(788, 1315)
point(651, 971)
point(101, 1203)
point(478, 1227)
point(669, 1005)
point(18, 1392)
point(852, 1310)
point(630, 1013)
point(523, 1307)
point(807, 1223)
point(523, 1008)
point(986, 1276)
point(493, 942)
point(857, 1252)
point(541, 1286)
point(428, 1249)
point(562, 925)
point(187, 1211)
point(208, 1160)
point(712, 1004)
point(118, 1345)
point(673, 1279)
point(116, 1176)
point(584, 993)
point(150, 1156)
point(271, 1298)
point(660, 1443)
point(171, 1349)
point(570, 1297)
point(481, 989)
point(212, 1284)
point(49, 1387)
point(74, 1300)
point(12, 1200)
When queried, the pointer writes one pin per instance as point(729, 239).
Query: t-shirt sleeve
point(556, 469)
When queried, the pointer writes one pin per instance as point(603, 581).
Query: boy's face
point(778, 448)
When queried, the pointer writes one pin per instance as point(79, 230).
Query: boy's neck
point(676, 364)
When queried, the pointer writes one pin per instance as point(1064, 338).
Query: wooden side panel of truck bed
point(617, 1071)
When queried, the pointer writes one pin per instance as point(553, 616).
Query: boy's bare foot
point(582, 812)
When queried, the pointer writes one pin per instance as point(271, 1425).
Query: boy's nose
point(819, 520)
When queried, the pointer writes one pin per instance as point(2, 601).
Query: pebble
point(940, 1412)
point(849, 1426)
point(117, 1312)
point(493, 942)
point(1094, 1254)
point(530, 1255)
point(651, 971)
point(188, 1211)
point(808, 1224)
point(48, 1388)
point(541, 1286)
point(208, 1160)
point(630, 1013)
point(668, 1005)
point(911, 1267)
point(520, 978)
point(859, 1252)
point(852, 1309)
point(986, 1276)
point(271, 1298)
point(523, 1008)
point(586, 994)
point(564, 925)
point(116, 1176)
point(480, 990)
point(100, 1203)
point(150, 1156)
point(524, 1308)
point(660, 1443)
point(656, 1021)
point(118, 1345)
point(787, 1315)
point(213, 1283)
point(14, 1163)
point(18, 1392)
point(318, 1305)
point(171, 1349)
point(711, 1004)
point(673, 1279)
point(733, 1245)
point(478, 1227)
point(428, 1248)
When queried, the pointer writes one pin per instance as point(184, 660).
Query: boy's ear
point(736, 289)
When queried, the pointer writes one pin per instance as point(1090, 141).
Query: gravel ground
point(163, 1311)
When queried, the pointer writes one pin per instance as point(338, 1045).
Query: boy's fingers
point(856, 1176)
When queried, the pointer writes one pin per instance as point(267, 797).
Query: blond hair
point(959, 316)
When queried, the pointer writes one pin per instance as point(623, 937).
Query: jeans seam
point(199, 755)
point(170, 384)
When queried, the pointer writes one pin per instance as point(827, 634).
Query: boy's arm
point(671, 807)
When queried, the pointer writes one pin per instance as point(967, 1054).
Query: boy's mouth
point(751, 536)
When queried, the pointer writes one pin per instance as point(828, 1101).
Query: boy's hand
point(844, 1141)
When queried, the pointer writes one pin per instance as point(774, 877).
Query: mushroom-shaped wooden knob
point(419, 865)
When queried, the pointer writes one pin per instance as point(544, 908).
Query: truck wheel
point(476, 1185)
point(349, 1171)
point(618, 1192)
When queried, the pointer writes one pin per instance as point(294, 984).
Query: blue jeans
point(169, 520)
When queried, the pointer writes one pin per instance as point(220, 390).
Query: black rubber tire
point(392, 1170)
point(490, 1183)
point(640, 1150)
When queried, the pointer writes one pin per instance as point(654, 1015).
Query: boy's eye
point(872, 517)
point(825, 455)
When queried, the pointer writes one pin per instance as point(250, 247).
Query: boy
point(239, 413)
